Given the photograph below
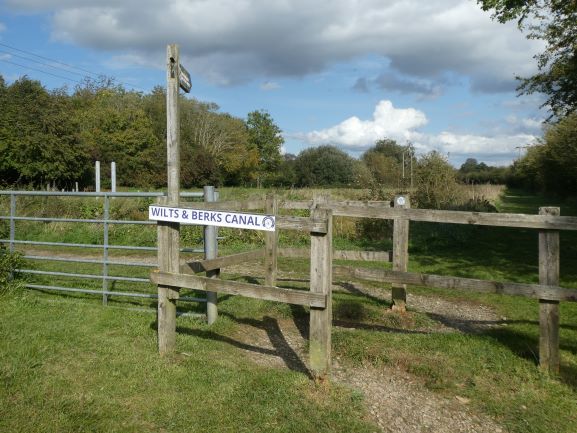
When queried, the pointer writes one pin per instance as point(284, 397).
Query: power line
point(42, 63)
point(41, 71)
point(67, 69)
point(49, 59)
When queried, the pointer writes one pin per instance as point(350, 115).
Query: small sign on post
point(184, 79)
point(212, 218)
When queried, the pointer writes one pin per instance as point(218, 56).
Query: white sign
point(401, 201)
point(212, 218)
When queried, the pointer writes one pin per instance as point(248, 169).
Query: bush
point(8, 263)
point(436, 183)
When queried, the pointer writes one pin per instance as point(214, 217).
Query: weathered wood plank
point(169, 233)
point(536, 291)
point(375, 256)
point(271, 244)
point(321, 283)
point(400, 253)
point(194, 282)
point(198, 266)
point(549, 309)
point(228, 206)
point(313, 225)
point(548, 222)
point(382, 210)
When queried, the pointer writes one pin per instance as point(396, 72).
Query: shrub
point(436, 183)
point(8, 263)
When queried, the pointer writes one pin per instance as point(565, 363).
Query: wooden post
point(169, 233)
point(400, 253)
point(549, 310)
point(321, 282)
point(211, 252)
point(271, 244)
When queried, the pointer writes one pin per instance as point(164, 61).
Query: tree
point(555, 22)
point(436, 182)
point(266, 137)
point(325, 166)
point(38, 136)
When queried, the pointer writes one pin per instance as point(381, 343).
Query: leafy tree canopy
point(555, 22)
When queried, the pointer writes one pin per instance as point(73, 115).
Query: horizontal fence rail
point(106, 277)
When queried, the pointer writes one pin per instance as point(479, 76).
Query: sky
point(439, 74)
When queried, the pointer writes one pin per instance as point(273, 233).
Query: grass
point(67, 365)
point(89, 369)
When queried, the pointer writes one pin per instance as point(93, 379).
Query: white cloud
point(231, 41)
point(476, 145)
point(269, 86)
point(403, 124)
point(387, 122)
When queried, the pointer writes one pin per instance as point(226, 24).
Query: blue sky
point(439, 74)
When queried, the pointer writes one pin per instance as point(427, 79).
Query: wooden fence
point(548, 224)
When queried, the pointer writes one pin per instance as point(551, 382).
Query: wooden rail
point(536, 291)
point(269, 293)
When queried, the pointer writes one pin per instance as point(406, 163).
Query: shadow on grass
point(281, 347)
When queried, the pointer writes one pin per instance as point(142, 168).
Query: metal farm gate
point(71, 262)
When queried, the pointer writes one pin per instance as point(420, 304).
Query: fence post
point(12, 221)
point(97, 176)
point(106, 217)
point(211, 252)
point(271, 244)
point(321, 282)
point(549, 310)
point(400, 253)
point(113, 176)
point(169, 233)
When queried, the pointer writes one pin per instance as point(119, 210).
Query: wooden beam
point(321, 275)
point(375, 256)
point(221, 262)
point(271, 244)
point(549, 309)
point(313, 225)
point(400, 254)
point(537, 291)
point(230, 205)
point(289, 296)
point(169, 233)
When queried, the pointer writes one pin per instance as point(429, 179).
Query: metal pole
point(210, 252)
point(12, 221)
point(113, 176)
point(97, 176)
point(106, 217)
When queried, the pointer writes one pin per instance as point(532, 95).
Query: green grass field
point(67, 364)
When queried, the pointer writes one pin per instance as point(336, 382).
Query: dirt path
point(394, 400)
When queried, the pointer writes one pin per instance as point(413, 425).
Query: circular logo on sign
point(268, 222)
point(401, 201)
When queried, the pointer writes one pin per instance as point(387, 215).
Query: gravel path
point(395, 401)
